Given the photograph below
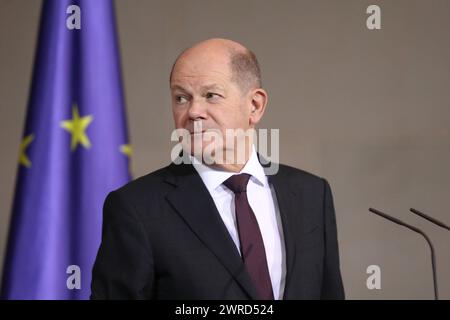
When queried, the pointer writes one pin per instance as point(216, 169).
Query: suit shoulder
point(299, 175)
point(145, 185)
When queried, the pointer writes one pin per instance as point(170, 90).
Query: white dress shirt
point(262, 199)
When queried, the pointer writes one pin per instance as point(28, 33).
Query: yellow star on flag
point(77, 127)
point(23, 158)
point(127, 150)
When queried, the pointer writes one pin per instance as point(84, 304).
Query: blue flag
point(74, 151)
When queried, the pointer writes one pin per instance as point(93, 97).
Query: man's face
point(202, 92)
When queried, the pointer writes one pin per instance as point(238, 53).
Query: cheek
point(230, 115)
point(179, 117)
point(242, 117)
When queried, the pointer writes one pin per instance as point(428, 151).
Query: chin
point(207, 152)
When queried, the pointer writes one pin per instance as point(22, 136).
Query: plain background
point(368, 110)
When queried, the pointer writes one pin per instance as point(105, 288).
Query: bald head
point(243, 65)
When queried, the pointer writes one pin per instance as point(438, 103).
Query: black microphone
point(433, 258)
point(431, 219)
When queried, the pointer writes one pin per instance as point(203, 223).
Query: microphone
point(433, 258)
point(431, 219)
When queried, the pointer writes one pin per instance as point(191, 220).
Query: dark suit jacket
point(163, 238)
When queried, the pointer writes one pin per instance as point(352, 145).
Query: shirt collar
point(213, 177)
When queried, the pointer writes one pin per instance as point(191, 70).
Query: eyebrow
point(213, 86)
point(206, 87)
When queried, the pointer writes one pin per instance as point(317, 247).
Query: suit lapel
point(194, 204)
point(287, 198)
point(297, 225)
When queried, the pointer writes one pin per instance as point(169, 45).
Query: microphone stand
point(431, 219)
point(433, 258)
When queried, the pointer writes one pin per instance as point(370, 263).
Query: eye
point(211, 95)
point(180, 99)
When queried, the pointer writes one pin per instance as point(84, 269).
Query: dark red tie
point(252, 245)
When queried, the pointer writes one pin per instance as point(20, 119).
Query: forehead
point(200, 71)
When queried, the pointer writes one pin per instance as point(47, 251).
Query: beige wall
point(368, 110)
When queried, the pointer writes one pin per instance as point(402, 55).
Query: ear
point(259, 99)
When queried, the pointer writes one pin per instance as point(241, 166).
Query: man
point(221, 229)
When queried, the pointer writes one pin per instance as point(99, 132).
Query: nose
point(197, 111)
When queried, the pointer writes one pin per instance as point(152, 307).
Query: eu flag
point(74, 151)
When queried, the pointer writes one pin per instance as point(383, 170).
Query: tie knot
point(237, 183)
